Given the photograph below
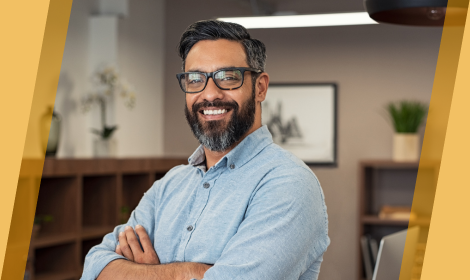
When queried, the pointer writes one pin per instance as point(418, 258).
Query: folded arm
point(143, 262)
point(123, 269)
point(102, 262)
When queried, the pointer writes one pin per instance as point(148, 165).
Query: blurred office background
point(371, 64)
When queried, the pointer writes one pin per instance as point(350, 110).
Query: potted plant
point(107, 83)
point(406, 117)
point(38, 222)
point(125, 214)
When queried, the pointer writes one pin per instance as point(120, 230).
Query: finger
point(144, 238)
point(150, 256)
point(133, 242)
point(126, 250)
point(118, 250)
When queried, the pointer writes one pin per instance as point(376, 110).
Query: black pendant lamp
point(417, 12)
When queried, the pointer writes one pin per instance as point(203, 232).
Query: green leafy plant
point(41, 219)
point(407, 116)
point(125, 214)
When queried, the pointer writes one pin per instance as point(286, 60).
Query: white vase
point(406, 147)
point(105, 147)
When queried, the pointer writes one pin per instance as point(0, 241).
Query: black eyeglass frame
point(212, 74)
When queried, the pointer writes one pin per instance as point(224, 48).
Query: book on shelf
point(369, 250)
point(400, 213)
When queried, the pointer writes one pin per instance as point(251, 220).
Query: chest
point(197, 216)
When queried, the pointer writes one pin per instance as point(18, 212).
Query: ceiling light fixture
point(338, 19)
point(418, 12)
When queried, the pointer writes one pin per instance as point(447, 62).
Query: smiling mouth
point(214, 112)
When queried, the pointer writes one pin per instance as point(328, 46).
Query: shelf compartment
point(394, 187)
point(57, 198)
point(133, 188)
point(58, 262)
point(99, 201)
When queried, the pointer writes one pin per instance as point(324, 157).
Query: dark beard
point(218, 136)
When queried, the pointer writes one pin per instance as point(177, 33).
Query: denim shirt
point(259, 213)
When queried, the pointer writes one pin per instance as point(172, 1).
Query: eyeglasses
point(225, 79)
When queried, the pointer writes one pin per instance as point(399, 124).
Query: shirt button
point(189, 228)
point(206, 185)
point(232, 166)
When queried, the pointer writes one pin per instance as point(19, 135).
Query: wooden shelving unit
point(385, 182)
point(85, 197)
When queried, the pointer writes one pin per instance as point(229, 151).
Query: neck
point(212, 157)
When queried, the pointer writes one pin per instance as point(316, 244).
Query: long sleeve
point(99, 256)
point(284, 233)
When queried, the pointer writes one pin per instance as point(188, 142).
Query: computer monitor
point(392, 252)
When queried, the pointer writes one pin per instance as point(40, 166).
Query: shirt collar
point(242, 153)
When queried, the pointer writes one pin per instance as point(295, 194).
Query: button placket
point(202, 196)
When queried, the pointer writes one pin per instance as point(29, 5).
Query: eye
point(195, 81)
point(194, 78)
point(229, 75)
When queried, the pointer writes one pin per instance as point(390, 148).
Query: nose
point(212, 92)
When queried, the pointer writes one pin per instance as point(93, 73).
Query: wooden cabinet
point(85, 198)
point(385, 182)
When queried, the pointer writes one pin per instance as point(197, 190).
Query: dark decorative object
point(302, 120)
point(53, 137)
point(417, 12)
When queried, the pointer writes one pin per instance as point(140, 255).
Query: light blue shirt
point(259, 213)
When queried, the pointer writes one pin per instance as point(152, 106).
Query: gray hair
point(215, 29)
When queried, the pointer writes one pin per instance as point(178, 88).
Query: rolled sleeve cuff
point(99, 262)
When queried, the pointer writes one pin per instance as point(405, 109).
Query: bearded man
point(243, 208)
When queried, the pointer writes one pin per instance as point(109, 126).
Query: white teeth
point(214, 112)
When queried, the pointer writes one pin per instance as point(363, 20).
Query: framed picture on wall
point(302, 119)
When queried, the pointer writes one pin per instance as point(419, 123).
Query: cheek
point(241, 98)
point(189, 102)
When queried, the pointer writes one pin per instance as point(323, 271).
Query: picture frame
point(302, 118)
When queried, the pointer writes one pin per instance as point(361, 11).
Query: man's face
point(219, 118)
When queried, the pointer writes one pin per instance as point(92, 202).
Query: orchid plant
point(107, 83)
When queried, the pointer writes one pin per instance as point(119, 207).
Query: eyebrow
point(221, 68)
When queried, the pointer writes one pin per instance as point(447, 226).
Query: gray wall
point(372, 65)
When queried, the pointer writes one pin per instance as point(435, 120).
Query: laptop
point(392, 252)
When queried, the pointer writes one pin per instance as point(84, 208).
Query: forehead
point(211, 55)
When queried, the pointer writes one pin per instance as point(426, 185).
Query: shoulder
point(172, 177)
point(177, 170)
point(280, 163)
point(288, 179)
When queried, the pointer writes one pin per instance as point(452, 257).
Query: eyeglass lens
point(225, 79)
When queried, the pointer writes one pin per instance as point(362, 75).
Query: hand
point(130, 248)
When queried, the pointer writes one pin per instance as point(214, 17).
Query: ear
point(261, 88)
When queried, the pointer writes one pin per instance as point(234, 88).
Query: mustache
point(217, 103)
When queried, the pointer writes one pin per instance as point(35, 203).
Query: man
point(243, 208)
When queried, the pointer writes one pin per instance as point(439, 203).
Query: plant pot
point(406, 147)
point(105, 147)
